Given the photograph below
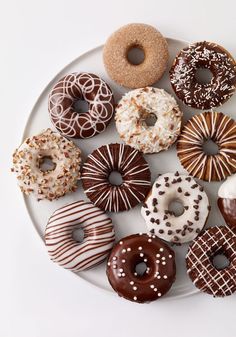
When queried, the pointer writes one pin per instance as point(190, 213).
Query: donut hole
point(46, 164)
point(210, 147)
point(115, 178)
point(81, 106)
point(220, 261)
point(135, 55)
point(78, 235)
point(176, 207)
point(150, 120)
point(203, 75)
point(140, 269)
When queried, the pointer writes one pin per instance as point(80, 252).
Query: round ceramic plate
point(131, 221)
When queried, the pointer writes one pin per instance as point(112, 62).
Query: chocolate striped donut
point(98, 236)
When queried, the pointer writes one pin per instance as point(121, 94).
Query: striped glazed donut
point(81, 86)
point(98, 236)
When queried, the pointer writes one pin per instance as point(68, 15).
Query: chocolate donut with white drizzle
point(164, 223)
point(81, 86)
point(203, 55)
point(134, 171)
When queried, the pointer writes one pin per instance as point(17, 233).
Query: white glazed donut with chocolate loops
point(136, 107)
point(164, 223)
point(52, 183)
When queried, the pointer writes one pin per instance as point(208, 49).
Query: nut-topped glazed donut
point(81, 86)
point(98, 239)
point(160, 271)
point(203, 95)
point(52, 183)
point(144, 37)
point(221, 129)
point(227, 201)
point(133, 110)
point(201, 270)
point(173, 187)
point(134, 171)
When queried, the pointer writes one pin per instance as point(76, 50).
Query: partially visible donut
point(81, 86)
point(134, 171)
point(203, 95)
point(133, 110)
point(221, 129)
point(227, 201)
point(164, 223)
point(199, 260)
point(144, 37)
point(158, 276)
point(47, 184)
point(98, 236)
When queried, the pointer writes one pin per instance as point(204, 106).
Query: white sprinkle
point(140, 248)
point(123, 261)
point(119, 274)
point(135, 288)
point(170, 256)
point(123, 274)
point(163, 258)
point(152, 286)
point(108, 263)
point(135, 274)
point(140, 233)
point(165, 276)
point(128, 249)
point(159, 294)
point(158, 255)
point(114, 258)
point(157, 261)
point(155, 289)
point(121, 270)
point(131, 282)
point(114, 266)
point(158, 277)
point(123, 250)
point(161, 249)
point(163, 263)
point(149, 240)
point(121, 242)
point(141, 255)
point(145, 260)
point(135, 298)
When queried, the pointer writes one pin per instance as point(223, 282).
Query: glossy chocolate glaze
point(158, 277)
point(228, 210)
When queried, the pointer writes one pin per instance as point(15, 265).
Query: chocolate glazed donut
point(227, 201)
point(158, 276)
point(134, 171)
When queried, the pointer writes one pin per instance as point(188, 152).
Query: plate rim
point(31, 216)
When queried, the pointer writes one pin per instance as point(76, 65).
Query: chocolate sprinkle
point(188, 179)
point(148, 212)
point(194, 186)
point(168, 224)
point(152, 220)
point(187, 194)
point(195, 206)
point(186, 207)
point(179, 189)
point(161, 193)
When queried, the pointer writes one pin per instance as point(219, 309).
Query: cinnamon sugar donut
point(134, 171)
point(221, 129)
point(144, 37)
point(203, 95)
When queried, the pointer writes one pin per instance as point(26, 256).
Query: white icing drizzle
point(201, 270)
point(81, 86)
point(228, 188)
point(133, 168)
point(167, 188)
point(98, 236)
point(208, 125)
point(207, 55)
point(132, 111)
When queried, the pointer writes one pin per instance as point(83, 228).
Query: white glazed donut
point(98, 236)
point(175, 187)
point(50, 184)
point(134, 108)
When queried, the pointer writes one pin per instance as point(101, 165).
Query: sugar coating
point(155, 49)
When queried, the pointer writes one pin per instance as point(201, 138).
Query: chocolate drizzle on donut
point(208, 125)
point(133, 169)
point(203, 55)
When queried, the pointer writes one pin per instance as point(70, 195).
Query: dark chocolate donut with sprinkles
point(201, 270)
point(133, 168)
point(209, 56)
point(160, 271)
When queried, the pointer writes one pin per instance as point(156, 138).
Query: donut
point(133, 110)
point(160, 271)
point(170, 187)
point(144, 37)
point(133, 169)
point(201, 270)
point(221, 129)
point(227, 201)
point(203, 95)
point(98, 236)
point(47, 184)
point(81, 86)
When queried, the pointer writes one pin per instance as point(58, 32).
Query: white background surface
point(37, 298)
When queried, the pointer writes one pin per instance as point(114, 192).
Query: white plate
point(131, 221)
